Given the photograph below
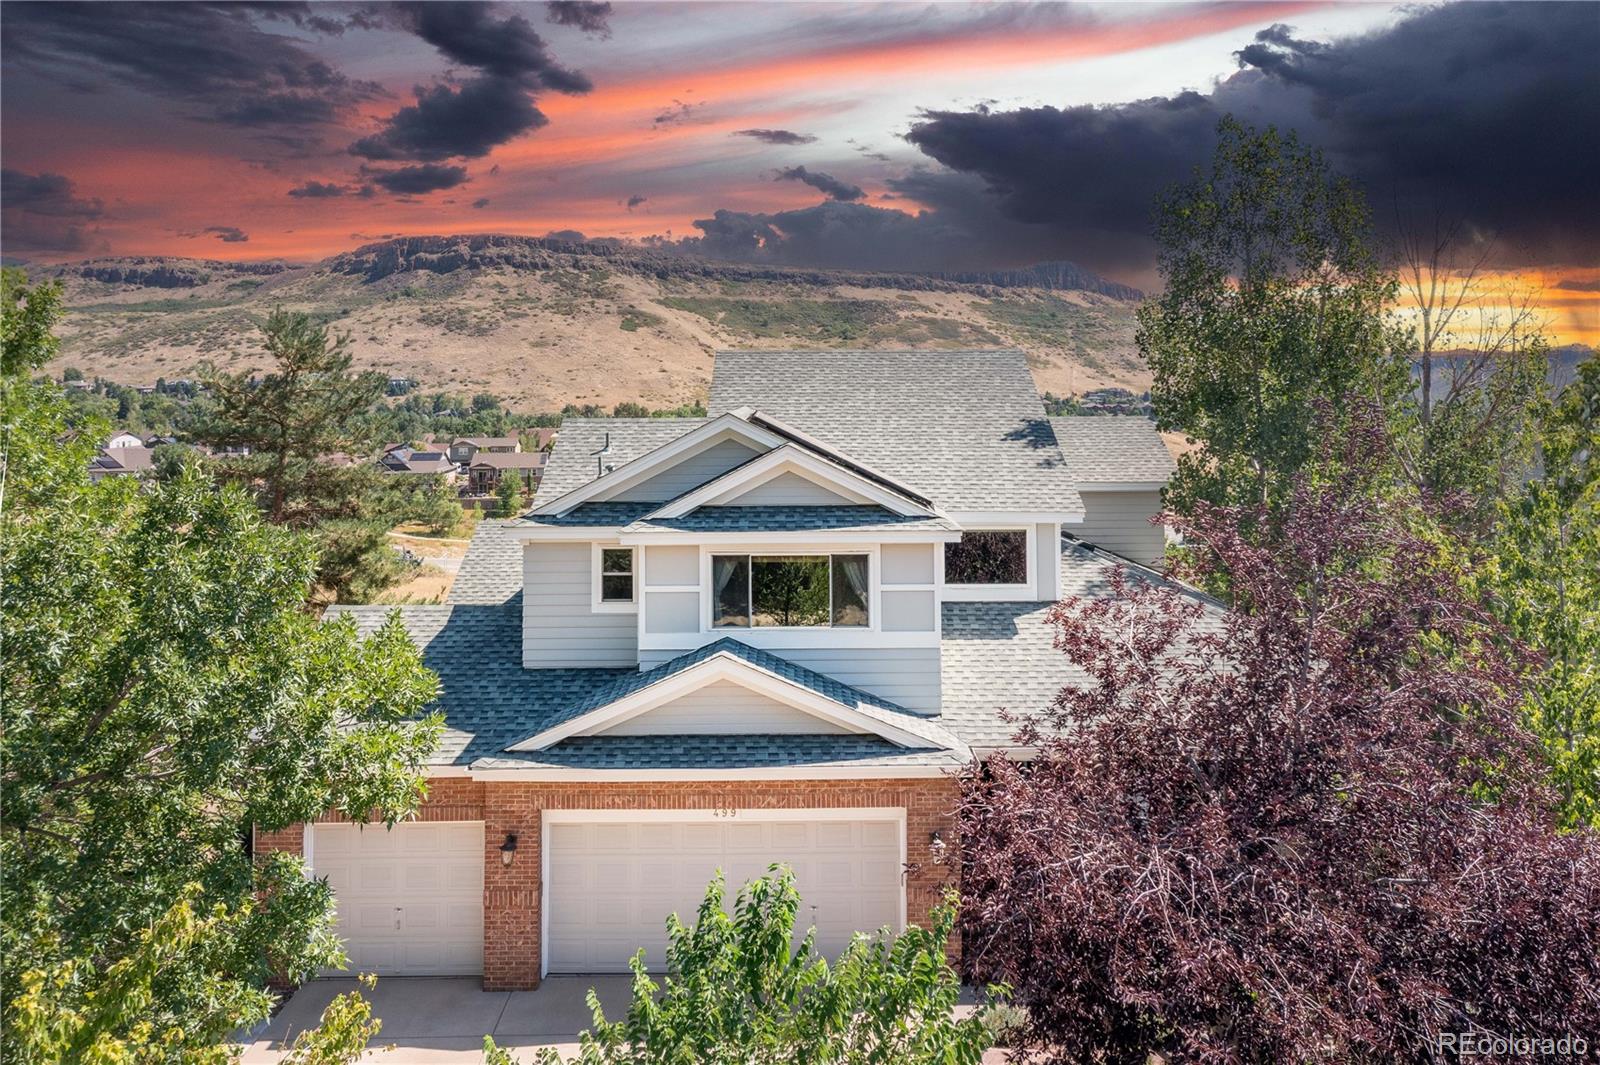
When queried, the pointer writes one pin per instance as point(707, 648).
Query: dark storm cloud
point(775, 136)
point(1572, 284)
point(213, 58)
point(446, 121)
point(416, 180)
point(635, 201)
point(826, 184)
point(228, 234)
point(317, 190)
point(470, 118)
point(1470, 109)
point(469, 33)
point(586, 15)
point(42, 212)
point(852, 236)
point(481, 203)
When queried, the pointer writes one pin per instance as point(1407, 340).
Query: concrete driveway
point(444, 1019)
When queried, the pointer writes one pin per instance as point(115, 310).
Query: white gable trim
point(719, 667)
point(789, 458)
point(642, 468)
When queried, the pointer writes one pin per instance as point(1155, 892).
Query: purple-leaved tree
point(1310, 829)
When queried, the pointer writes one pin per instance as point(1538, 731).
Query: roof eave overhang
point(818, 467)
point(787, 772)
point(721, 666)
point(639, 469)
point(802, 536)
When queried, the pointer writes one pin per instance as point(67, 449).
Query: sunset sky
point(886, 136)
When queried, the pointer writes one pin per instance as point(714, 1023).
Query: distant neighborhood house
point(465, 448)
point(490, 467)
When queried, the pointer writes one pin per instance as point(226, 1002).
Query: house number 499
point(726, 811)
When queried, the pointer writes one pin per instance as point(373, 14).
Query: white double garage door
point(410, 899)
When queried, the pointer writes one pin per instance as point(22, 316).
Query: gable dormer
point(600, 470)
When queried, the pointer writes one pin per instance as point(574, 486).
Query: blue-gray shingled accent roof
point(994, 657)
point(965, 428)
point(1113, 449)
point(868, 705)
point(794, 519)
point(487, 698)
point(759, 751)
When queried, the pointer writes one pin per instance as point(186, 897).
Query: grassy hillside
point(542, 324)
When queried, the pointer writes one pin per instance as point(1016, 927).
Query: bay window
point(789, 591)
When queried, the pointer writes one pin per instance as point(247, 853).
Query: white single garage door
point(409, 899)
point(612, 883)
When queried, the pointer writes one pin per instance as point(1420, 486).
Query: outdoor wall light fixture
point(937, 845)
point(508, 849)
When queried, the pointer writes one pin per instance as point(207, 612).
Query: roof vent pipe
point(601, 466)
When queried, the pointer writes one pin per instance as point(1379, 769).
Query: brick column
point(511, 943)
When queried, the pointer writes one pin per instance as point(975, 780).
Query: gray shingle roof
point(722, 752)
point(966, 428)
point(605, 515)
point(995, 656)
point(869, 705)
point(1002, 656)
point(491, 571)
point(793, 519)
point(487, 698)
point(1109, 449)
point(490, 702)
point(572, 461)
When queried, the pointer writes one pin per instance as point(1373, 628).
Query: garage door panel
point(606, 901)
point(408, 900)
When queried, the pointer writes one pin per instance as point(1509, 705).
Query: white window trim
point(953, 593)
point(598, 605)
point(708, 603)
point(547, 817)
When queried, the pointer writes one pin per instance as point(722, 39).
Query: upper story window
point(789, 591)
point(988, 556)
point(616, 575)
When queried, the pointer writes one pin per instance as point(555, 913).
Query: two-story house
point(770, 634)
point(464, 449)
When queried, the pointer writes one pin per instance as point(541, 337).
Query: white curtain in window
point(724, 568)
point(853, 569)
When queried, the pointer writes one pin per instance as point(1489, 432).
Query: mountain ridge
point(544, 321)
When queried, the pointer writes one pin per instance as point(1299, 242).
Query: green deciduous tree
point(1469, 428)
point(163, 689)
point(740, 992)
point(1544, 576)
point(27, 341)
point(1274, 300)
point(508, 495)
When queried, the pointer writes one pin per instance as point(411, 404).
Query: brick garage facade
point(511, 925)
